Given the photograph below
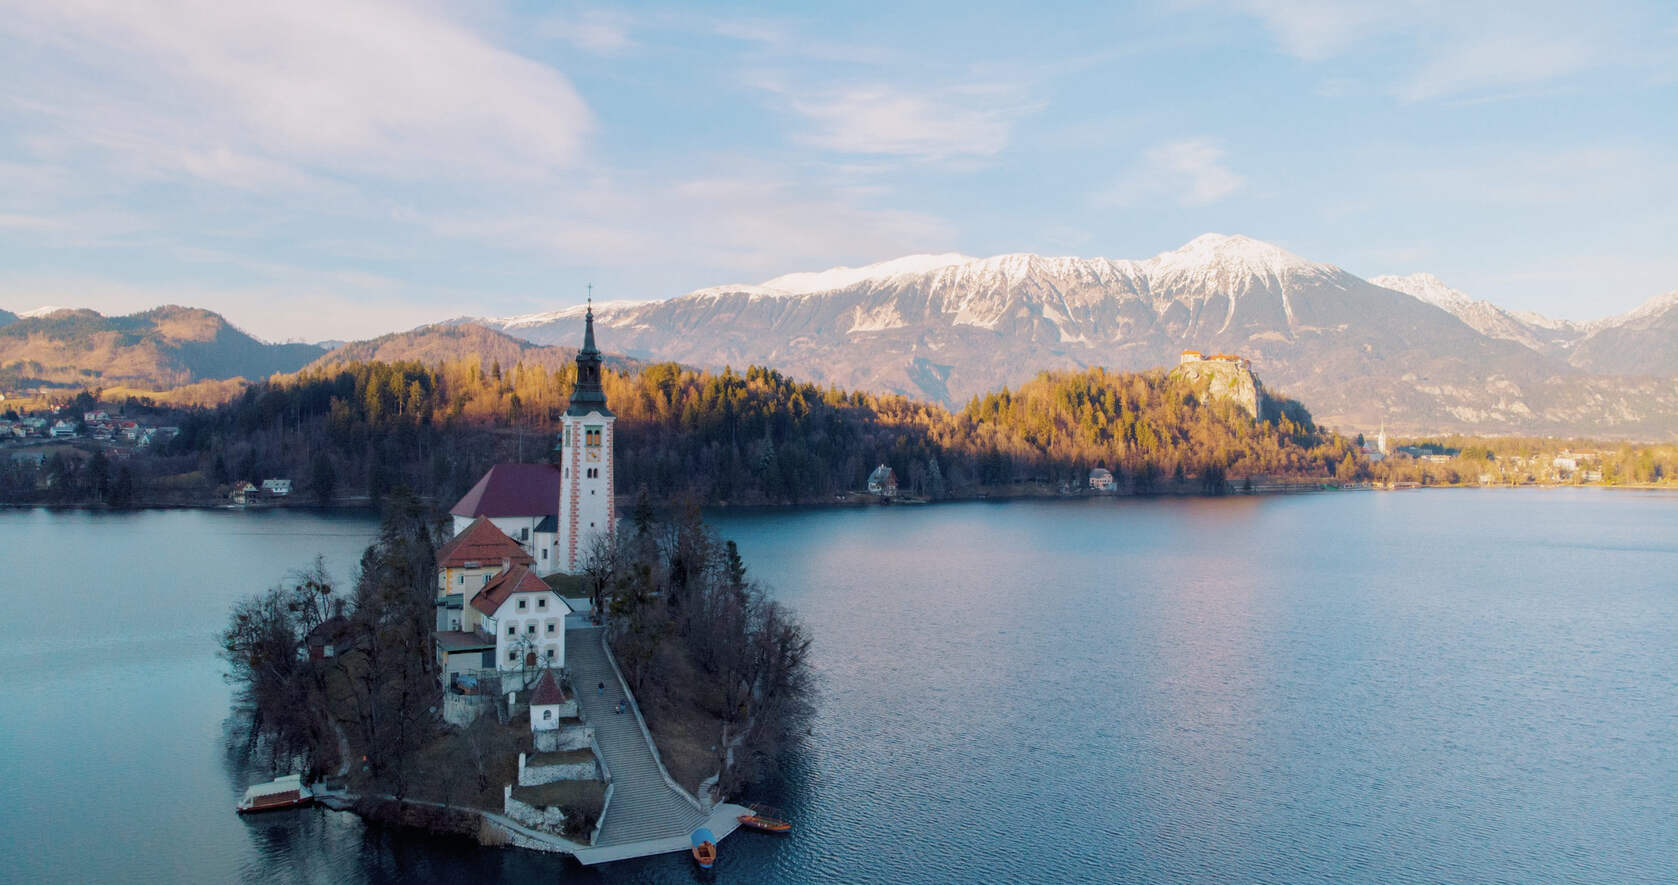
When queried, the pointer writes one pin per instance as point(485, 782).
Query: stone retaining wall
point(535, 775)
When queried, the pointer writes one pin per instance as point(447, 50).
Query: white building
point(548, 708)
point(465, 565)
point(1101, 480)
point(586, 492)
point(63, 430)
point(526, 617)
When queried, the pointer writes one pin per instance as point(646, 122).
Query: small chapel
point(518, 525)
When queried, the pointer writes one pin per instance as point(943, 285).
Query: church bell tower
point(586, 509)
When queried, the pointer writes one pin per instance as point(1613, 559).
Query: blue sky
point(315, 169)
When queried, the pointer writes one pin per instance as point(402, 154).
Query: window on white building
point(512, 655)
point(542, 602)
point(550, 628)
point(530, 628)
point(547, 714)
point(521, 605)
point(511, 630)
point(462, 578)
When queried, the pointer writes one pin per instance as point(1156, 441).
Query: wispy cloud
point(1190, 172)
point(883, 119)
point(1502, 60)
point(597, 31)
point(1453, 49)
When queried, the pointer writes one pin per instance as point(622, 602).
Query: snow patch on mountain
point(877, 319)
point(1230, 253)
point(570, 313)
point(1654, 307)
point(1531, 330)
point(842, 277)
point(1426, 287)
point(45, 310)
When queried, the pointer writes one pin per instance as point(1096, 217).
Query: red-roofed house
point(518, 498)
point(548, 708)
point(526, 617)
point(467, 562)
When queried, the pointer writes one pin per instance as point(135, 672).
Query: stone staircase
point(643, 806)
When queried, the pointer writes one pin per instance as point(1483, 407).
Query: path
point(644, 807)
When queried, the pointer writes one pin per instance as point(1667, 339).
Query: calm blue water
point(1425, 686)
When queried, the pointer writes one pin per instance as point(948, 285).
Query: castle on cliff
point(1222, 376)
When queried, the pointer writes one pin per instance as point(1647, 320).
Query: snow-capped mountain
point(1642, 341)
point(1532, 330)
point(947, 327)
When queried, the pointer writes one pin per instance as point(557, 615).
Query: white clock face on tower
point(594, 454)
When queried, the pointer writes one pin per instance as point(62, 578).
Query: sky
point(323, 170)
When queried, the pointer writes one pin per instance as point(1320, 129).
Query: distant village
point(31, 436)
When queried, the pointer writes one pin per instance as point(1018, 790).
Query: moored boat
point(704, 848)
point(285, 792)
point(757, 820)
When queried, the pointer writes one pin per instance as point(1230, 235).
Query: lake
point(1386, 687)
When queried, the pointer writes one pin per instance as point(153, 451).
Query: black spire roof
point(588, 396)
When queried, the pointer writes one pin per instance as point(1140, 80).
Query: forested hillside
point(756, 437)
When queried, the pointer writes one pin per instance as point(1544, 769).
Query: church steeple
point(588, 395)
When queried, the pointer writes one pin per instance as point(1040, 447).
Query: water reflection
point(1464, 686)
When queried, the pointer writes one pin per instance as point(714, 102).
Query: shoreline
point(1298, 487)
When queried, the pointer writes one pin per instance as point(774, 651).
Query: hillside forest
point(365, 428)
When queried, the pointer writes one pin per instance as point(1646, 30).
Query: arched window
point(547, 714)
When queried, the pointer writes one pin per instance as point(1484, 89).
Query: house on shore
point(883, 482)
point(1101, 480)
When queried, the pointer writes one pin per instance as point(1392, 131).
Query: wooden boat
point(704, 848)
point(285, 792)
point(758, 820)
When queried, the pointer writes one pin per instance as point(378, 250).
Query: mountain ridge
point(164, 347)
point(1358, 352)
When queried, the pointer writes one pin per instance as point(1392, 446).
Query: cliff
point(1221, 377)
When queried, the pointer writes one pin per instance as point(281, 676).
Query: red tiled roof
point(513, 490)
point(518, 579)
point(481, 542)
point(547, 691)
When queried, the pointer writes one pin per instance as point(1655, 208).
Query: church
point(556, 512)
point(519, 524)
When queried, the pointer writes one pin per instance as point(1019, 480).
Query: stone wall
point(574, 737)
point(552, 819)
point(531, 775)
point(462, 710)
